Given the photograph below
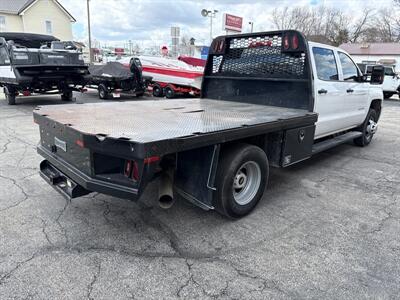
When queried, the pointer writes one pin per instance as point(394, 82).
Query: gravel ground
point(326, 228)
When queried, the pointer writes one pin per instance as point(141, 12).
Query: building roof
point(14, 6)
point(372, 48)
point(17, 7)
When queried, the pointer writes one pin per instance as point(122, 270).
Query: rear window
point(325, 63)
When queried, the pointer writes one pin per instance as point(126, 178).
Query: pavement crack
point(93, 282)
point(149, 219)
point(188, 281)
point(18, 266)
point(57, 220)
point(15, 183)
point(44, 225)
point(5, 147)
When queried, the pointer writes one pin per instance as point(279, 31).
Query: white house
point(371, 53)
point(36, 16)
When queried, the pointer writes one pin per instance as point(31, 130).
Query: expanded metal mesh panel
point(148, 121)
point(274, 41)
point(259, 57)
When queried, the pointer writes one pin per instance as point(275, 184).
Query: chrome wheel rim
point(246, 183)
point(371, 128)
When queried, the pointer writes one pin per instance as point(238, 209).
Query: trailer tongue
point(255, 99)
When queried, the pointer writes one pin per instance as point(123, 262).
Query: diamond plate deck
point(150, 121)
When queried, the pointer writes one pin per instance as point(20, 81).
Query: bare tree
point(318, 23)
point(362, 25)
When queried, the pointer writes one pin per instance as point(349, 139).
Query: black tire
point(365, 128)
point(67, 96)
point(158, 91)
point(230, 167)
point(387, 95)
point(10, 94)
point(169, 92)
point(103, 91)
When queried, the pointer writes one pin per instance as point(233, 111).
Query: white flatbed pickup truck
point(267, 99)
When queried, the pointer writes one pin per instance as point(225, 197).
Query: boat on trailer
point(172, 76)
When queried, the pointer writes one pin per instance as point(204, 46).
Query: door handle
point(350, 90)
point(322, 91)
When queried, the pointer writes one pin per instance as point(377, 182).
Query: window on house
point(49, 27)
point(2, 23)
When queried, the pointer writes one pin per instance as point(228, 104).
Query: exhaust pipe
point(165, 190)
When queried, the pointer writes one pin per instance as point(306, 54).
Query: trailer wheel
point(103, 91)
point(66, 96)
point(10, 95)
point(368, 129)
point(169, 92)
point(240, 180)
point(157, 90)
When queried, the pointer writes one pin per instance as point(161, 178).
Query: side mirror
point(377, 74)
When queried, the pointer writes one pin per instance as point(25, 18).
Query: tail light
point(128, 168)
point(286, 42)
point(135, 171)
point(80, 143)
point(219, 46)
point(295, 41)
point(131, 170)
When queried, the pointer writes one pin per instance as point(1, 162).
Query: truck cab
point(342, 94)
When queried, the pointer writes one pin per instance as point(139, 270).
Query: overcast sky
point(149, 21)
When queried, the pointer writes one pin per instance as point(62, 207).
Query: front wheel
point(368, 129)
point(241, 179)
point(10, 94)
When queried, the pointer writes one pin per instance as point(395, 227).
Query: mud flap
point(195, 175)
point(60, 182)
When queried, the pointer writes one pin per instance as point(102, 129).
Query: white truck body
point(347, 101)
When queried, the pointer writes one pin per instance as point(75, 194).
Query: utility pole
point(89, 33)
point(251, 24)
point(211, 14)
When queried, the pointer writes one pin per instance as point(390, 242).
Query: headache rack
point(268, 68)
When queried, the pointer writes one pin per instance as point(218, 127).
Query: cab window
point(350, 71)
point(389, 72)
point(325, 63)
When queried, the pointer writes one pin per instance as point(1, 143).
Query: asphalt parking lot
point(326, 228)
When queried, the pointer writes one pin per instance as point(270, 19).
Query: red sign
point(119, 50)
point(233, 23)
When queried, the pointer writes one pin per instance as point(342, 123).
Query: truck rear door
point(327, 90)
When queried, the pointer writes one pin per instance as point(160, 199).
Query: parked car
point(298, 98)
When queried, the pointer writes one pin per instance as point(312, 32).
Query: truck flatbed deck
point(152, 121)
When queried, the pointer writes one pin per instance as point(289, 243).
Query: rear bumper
point(72, 183)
